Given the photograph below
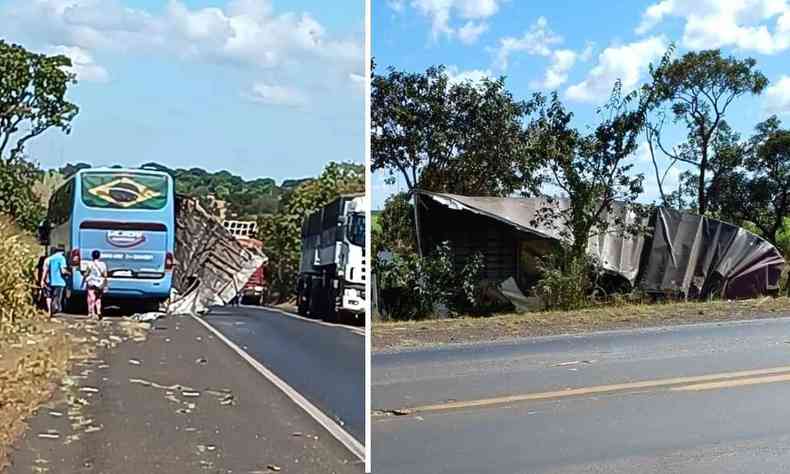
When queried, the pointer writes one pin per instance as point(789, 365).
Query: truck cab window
point(356, 229)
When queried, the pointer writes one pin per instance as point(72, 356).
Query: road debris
point(274, 468)
point(48, 435)
point(134, 362)
point(146, 317)
point(201, 361)
point(574, 362)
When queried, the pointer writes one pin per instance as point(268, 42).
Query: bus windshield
point(110, 190)
point(356, 229)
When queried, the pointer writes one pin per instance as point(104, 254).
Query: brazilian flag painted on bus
point(124, 190)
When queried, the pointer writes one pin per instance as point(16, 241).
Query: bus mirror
point(341, 220)
point(43, 232)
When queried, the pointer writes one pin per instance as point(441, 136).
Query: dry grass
point(393, 335)
point(34, 351)
point(31, 363)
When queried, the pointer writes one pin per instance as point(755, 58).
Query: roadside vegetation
point(281, 232)
point(432, 134)
point(397, 335)
point(34, 351)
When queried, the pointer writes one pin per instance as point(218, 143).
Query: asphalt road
point(700, 399)
point(324, 363)
point(179, 402)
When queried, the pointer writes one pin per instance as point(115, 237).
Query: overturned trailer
point(685, 255)
point(212, 266)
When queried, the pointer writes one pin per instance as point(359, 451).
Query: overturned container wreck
point(212, 266)
point(685, 255)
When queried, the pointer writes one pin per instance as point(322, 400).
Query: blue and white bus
point(126, 214)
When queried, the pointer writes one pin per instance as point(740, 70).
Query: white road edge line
point(351, 329)
point(328, 423)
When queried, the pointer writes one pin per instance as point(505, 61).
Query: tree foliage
point(32, 97)
point(465, 138)
point(396, 222)
point(759, 192)
point(591, 170)
point(281, 231)
point(696, 91)
point(17, 198)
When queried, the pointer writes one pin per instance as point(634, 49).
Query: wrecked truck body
point(686, 255)
point(212, 266)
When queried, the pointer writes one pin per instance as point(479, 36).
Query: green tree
point(17, 198)
point(281, 232)
point(591, 170)
point(397, 225)
point(32, 100)
point(759, 193)
point(697, 90)
point(464, 138)
point(32, 97)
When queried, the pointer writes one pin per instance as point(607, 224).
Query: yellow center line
point(722, 380)
point(732, 383)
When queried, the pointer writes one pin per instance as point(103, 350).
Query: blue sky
point(580, 48)
point(262, 88)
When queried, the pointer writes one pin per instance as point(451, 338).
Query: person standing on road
point(96, 281)
point(52, 278)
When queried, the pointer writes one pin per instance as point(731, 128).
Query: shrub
point(16, 275)
point(567, 282)
point(413, 287)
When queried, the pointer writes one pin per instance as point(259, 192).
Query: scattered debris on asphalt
point(574, 362)
point(146, 317)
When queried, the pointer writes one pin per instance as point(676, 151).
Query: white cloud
point(562, 60)
point(471, 31)
point(246, 32)
point(626, 63)
point(397, 5)
point(457, 76)
point(82, 64)
point(441, 13)
point(750, 25)
point(270, 94)
point(538, 41)
point(777, 97)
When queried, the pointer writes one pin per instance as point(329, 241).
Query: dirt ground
point(34, 354)
point(389, 336)
point(35, 357)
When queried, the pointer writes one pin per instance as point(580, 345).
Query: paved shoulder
point(181, 402)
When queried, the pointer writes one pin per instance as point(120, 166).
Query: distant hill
point(246, 199)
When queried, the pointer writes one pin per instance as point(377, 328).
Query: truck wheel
point(314, 303)
point(302, 300)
